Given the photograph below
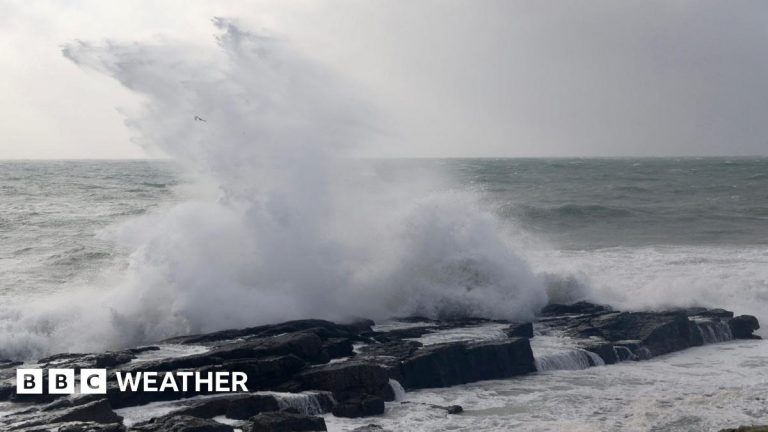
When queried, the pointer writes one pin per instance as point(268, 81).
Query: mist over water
point(277, 224)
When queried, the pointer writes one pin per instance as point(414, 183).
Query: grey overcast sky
point(454, 78)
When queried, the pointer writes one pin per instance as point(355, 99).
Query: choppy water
point(702, 389)
point(52, 214)
point(659, 228)
point(597, 203)
point(52, 211)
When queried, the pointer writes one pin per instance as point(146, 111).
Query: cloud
point(457, 78)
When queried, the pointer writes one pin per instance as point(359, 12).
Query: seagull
point(198, 118)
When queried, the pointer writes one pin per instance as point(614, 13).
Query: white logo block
point(61, 381)
point(29, 381)
point(93, 381)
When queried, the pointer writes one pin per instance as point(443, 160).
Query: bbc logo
point(61, 381)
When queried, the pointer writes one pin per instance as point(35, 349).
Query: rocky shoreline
point(300, 369)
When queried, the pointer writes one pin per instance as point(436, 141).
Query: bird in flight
point(198, 118)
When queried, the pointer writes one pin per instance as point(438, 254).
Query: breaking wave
point(281, 224)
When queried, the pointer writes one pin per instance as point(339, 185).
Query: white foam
point(400, 325)
point(170, 351)
point(227, 421)
point(481, 332)
point(142, 413)
point(657, 277)
point(305, 402)
point(569, 359)
point(277, 223)
point(398, 390)
point(552, 350)
point(704, 388)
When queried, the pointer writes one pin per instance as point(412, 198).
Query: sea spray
point(667, 276)
point(281, 225)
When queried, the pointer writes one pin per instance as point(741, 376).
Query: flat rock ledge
point(299, 369)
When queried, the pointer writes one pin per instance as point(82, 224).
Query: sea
point(634, 233)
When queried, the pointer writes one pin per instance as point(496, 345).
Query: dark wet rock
point(91, 427)
point(396, 349)
point(454, 409)
point(263, 373)
point(238, 407)
point(743, 326)
point(75, 427)
point(520, 330)
point(58, 358)
point(692, 311)
point(71, 401)
point(444, 365)
point(400, 334)
point(7, 390)
point(363, 406)
point(360, 325)
point(306, 346)
point(325, 328)
point(43, 398)
point(660, 333)
point(180, 423)
point(430, 326)
point(283, 422)
point(579, 308)
point(338, 347)
point(620, 336)
point(119, 399)
point(107, 359)
point(348, 379)
point(80, 361)
point(99, 412)
point(207, 408)
point(143, 349)
point(747, 429)
point(415, 320)
point(294, 356)
point(449, 409)
point(696, 337)
point(247, 407)
point(6, 364)
point(267, 363)
point(605, 350)
point(112, 359)
point(293, 386)
point(708, 313)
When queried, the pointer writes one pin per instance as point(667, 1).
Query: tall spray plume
point(281, 224)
